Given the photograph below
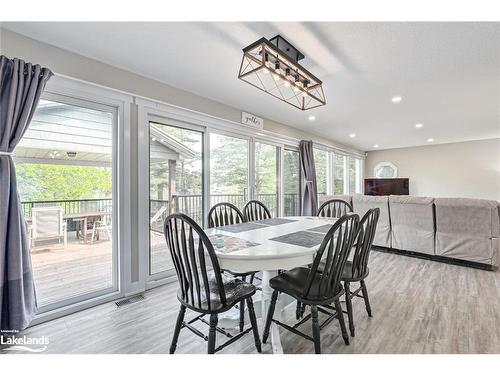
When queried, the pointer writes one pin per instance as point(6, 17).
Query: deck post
point(171, 185)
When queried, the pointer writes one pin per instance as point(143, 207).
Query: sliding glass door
point(175, 184)
point(266, 174)
point(229, 165)
point(291, 183)
point(242, 169)
point(65, 166)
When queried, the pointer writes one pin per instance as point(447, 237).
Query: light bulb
point(276, 77)
point(287, 84)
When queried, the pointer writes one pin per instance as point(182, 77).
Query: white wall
point(465, 169)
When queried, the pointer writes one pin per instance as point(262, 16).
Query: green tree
point(228, 163)
point(320, 161)
point(58, 182)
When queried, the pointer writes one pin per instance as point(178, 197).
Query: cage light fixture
point(273, 67)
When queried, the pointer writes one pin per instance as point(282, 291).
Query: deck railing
point(190, 204)
point(70, 206)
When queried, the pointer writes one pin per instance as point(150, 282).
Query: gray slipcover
point(323, 198)
point(467, 229)
point(362, 203)
point(412, 223)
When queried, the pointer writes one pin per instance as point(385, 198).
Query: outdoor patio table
point(82, 218)
point(281, 243)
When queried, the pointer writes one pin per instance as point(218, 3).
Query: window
point(331, 173)
point(228, 170)
point(266, 175)
point(291, 183)
point(65, 169)
point(322, 171)
point(175, 184)
point(339, 180)
point(354, 175)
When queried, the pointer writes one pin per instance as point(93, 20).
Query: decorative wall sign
point(252, 120)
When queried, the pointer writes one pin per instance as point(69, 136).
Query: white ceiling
point(447, 73)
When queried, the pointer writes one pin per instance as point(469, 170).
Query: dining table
point(268, 246)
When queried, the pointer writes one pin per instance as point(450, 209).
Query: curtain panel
point(21, 85)
point(309, 187)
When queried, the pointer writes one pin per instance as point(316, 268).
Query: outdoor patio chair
point(102, 225)
point(48, 223)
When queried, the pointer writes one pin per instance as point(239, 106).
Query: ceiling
point(448, 74)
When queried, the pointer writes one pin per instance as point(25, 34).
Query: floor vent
point(128, 301)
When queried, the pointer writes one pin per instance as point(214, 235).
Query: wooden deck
point(82, 268)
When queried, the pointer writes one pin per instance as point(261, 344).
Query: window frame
point(73, 92)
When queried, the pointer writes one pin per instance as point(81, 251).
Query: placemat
point(242, 227)
point(274, 221)
point(321, 229)
point(228, 244)
point(301, 238)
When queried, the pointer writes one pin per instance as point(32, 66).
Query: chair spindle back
point(255, 210)
point(224, 214)
point(334, 208)
point(364, 241)
point(191, 250)
point(334, 250)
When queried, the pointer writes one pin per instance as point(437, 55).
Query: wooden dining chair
point(203, 288)
point(318, 289)
point(255, 210)
point(334, 208)
point(223, 214)
point(357, 270)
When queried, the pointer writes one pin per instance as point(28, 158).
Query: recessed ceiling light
point(375, 146)
point(261, 134)
point(352, 135)
point(396, 99)
point(430, 140)
point(418, 126)
point(312, 118)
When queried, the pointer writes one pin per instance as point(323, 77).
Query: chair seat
point(236, 290)
point(294, 281)
point(241, 274)
point(347, 274)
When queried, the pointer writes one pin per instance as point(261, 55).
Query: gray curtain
point(21, 85)
point(309, 187)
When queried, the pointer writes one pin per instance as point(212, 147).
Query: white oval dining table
point(256, 249)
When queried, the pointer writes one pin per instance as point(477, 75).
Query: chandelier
point(273, 66)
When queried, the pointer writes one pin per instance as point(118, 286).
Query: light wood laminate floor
point(419, 306)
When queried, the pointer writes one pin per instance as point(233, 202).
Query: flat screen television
point(387, 186)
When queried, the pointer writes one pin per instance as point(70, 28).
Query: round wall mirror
point(385, 169)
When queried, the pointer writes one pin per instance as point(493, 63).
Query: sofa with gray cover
point(461, 229)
